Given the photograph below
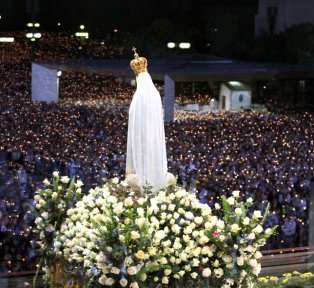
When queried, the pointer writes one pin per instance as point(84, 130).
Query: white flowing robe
point(146, 146)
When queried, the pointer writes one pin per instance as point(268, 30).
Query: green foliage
point(295, 45)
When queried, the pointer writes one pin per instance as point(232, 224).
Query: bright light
point(37, 35)
point(59, 73)
point(37, 25)
point(29, 35)
point(82, 34)
point(30, 24)
point(59, 24)
point(235, 83)
point(6, 39)
point(185, 45)
point(82, 27)
point(171, 45)
point(115, 30)
point(33, 39)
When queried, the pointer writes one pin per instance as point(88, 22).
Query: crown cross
point(134, 49)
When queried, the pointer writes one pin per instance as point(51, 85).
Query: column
point(311, 215)
point(169, 96)
point(44, 84)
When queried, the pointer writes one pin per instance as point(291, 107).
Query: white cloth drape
point(146, 146)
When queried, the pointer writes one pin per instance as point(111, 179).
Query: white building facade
point(234, 95)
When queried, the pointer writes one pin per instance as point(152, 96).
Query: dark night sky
point(104, 15)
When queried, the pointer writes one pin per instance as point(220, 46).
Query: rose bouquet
point(51, 205)
point(117, 238)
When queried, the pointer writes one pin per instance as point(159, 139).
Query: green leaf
point(72, 183)
point(265, 214)
point(226, 207)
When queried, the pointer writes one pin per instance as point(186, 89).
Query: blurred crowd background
point(266, 155)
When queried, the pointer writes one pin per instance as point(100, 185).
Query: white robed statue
point(146, 161)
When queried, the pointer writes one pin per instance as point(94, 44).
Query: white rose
point(268, 231)
point(230, 200)
point(195, 262)
point(198, 220)
point(160, 234)
point(234, 228)
point(257, 214)
point(227, 258)
point(216, 263)
point(141, 201)
point(258, 255)
point(46, 182)
point(123, 282)
point(42, 202)
point(258, 229)
point(140, 222)
point(128, 202)
point(240, 261)
point(217, 206)
point(45, 215)
point(54, 195)
point(218, 272)
point(132, 270)
point(135, 235)
point(167, 272)
point(249, 249)
point(115, 180)
point(220, 224)
point(257, 269)
point(112, 199)
point(39, 220)
point(109, 281)
point(208, 225)
point(253, 263)
point(65, 179)
point(140, 211)
point(165, 280)
point(236, 193)
point(143, 277)
point(249, 200)
point(188, 230)
point(189, 215)
point(102, 279)
point(79, 184)
point(194, 275)
point(171, 207)
point(115, 270)
point(206, 272)
point(55, 174)
point(222, 238)
point(251, 236)
point(238, 211)
point(246, 221)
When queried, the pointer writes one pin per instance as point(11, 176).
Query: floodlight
point(185, 45)
point(6, 39)
point(171, 45)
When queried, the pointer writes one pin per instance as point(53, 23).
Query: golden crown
point(138, 64)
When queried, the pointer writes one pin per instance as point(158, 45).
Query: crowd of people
point(266, 156)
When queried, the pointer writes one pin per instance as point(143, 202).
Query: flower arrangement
point(115, 237)
point(293, 279)
point(51, 209)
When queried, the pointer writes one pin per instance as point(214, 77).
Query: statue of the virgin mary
point(146, 161)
